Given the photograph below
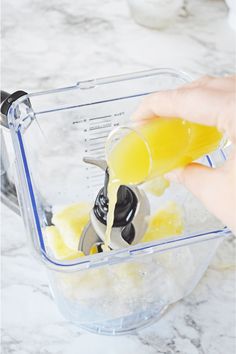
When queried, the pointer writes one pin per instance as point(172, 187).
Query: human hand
point(209, 101)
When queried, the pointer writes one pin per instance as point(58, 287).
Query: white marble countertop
point(53, 44)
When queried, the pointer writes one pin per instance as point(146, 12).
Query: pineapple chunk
point(57, 245)
point(70, 223)
point(94, 250)
point(166, 222)
point(157, 186)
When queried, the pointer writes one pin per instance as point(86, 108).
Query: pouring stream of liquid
point(113, 186)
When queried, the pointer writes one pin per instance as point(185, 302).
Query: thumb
point(199, 179)
point(209, 186)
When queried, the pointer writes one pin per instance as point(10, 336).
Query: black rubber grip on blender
point(4, 95)
point(7, 99)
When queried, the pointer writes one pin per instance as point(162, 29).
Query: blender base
point(125, 325)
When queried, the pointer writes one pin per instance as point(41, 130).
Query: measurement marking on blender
point(103, 123)
point(118, 114)
point(91, 129)
point(100, 117)
point(98, 137)
point(106, 123)
point(95, 134)
point(96, 149)
point(100, 131)
point(96, 143)
point(95, 146)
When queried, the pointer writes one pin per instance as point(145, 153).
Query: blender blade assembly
point(130, 217)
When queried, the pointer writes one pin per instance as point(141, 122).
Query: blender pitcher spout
point(3, 117)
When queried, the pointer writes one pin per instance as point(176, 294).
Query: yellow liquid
point(113, 187)
point(63, 237)
point(159, 146)
point(153, 149)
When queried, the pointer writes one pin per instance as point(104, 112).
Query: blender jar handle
point(8, 190)
point(4, 96)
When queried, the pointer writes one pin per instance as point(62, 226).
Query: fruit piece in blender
point(70, 223)
point(166, 222)
point(157, 186)
point(63, 237)
point(57, 246)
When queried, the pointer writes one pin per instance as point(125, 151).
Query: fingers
point(209, 101)
point(187, 103)
point(218, 83)
point(197, 104)
point(214, 187)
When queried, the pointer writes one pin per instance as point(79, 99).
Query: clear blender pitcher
point(57, 147)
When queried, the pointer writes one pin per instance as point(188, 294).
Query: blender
point(55, 152)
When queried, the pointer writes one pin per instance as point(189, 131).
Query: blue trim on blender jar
point(209, 160)
point(95, 103)
point(31, 192)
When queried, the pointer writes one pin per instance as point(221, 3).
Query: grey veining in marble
point(57, 43)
